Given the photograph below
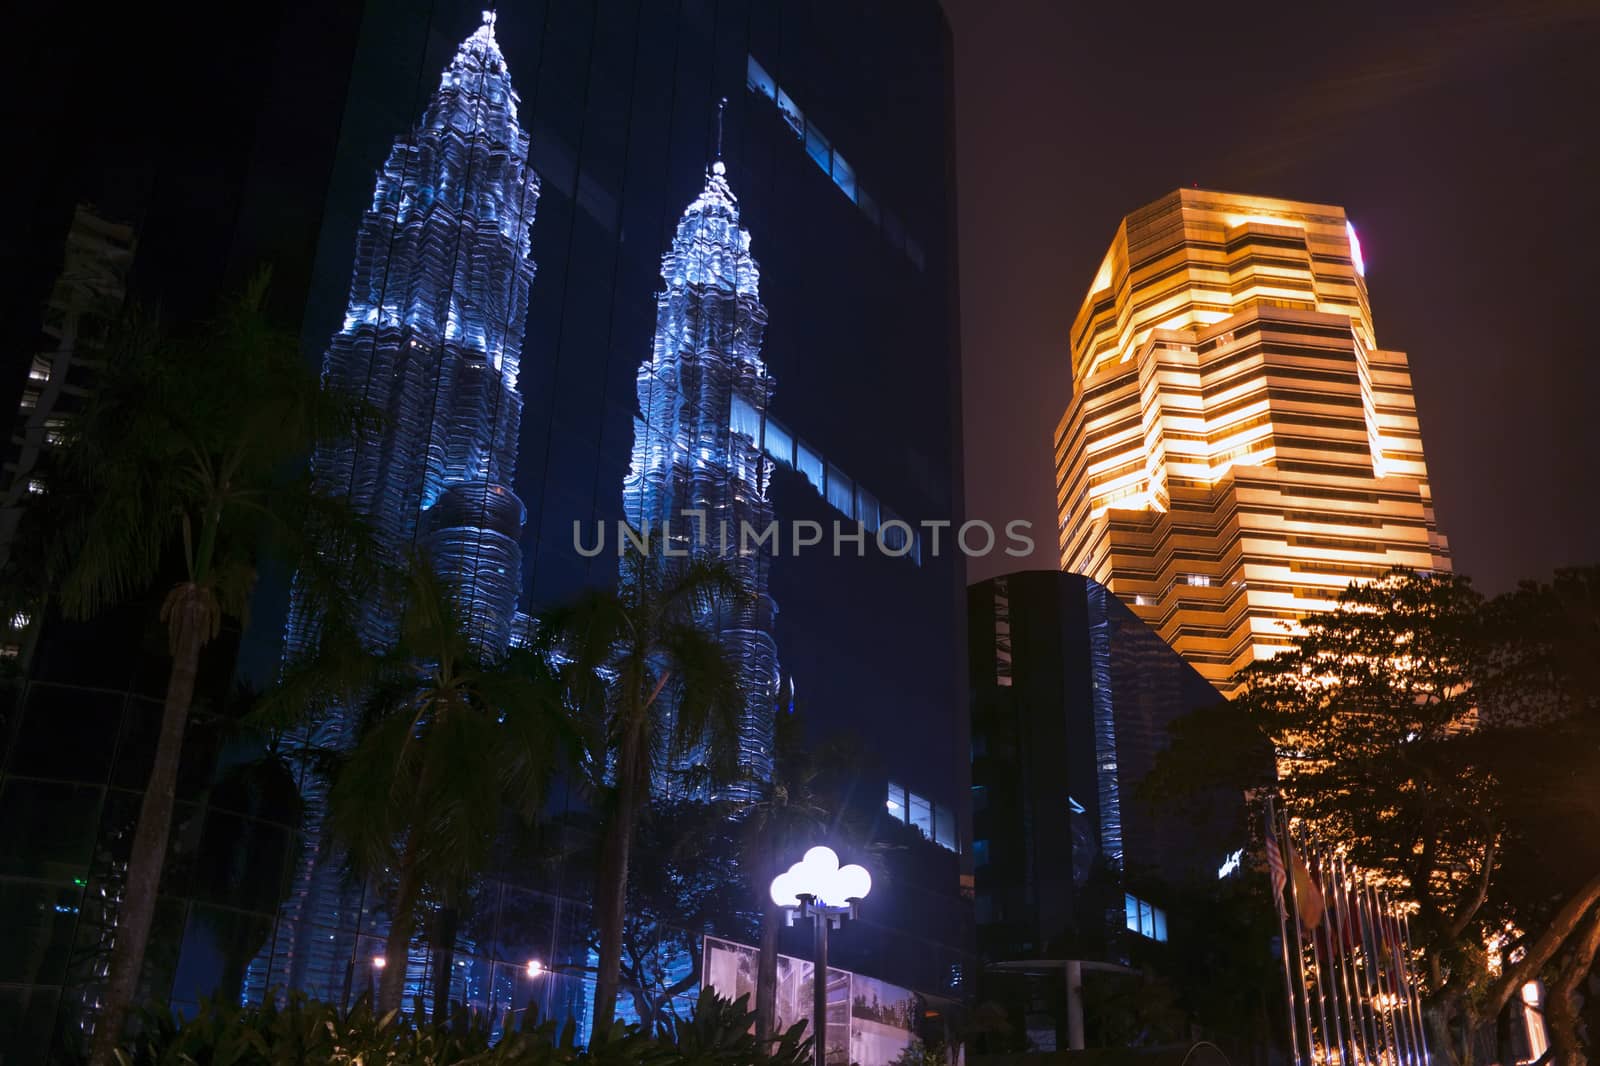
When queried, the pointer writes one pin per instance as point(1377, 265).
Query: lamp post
point(817, 887)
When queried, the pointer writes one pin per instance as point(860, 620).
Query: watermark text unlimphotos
point(693, 534)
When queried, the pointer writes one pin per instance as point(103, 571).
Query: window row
point(822, 152)
point(831, 483)
point(935, 822)
point(1144, 919)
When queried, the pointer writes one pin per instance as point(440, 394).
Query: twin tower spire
point(433, 338)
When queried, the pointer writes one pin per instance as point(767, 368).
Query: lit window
point(920, 814)
point(818, 148)
point(1141, 600)
point(896, 802)
point(745, 419)
point(809, 463)
point(757, 79)
point(841, 491)
point(844, 176)
point(791, 113)
point(867, 509)
point(1144, 919)
point(779, 444)
point(1199, 580)
point(896, 539)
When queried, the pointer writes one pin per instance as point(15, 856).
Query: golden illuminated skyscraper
point(1238, 448)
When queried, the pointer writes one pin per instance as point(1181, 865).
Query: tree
point(688, 885)
point(452, 737)
point(179, 463)
point(651, 684)
point(1434, 736)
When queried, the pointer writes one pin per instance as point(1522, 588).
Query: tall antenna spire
point(722, 106)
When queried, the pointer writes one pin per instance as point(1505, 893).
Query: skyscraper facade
point(1073, 697)
point(1237, 448)
point(698, 480)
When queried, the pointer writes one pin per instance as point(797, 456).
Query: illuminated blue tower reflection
point(703, 397)
point(432, 341)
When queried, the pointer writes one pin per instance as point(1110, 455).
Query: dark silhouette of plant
point(651, 685)
point(181, 462)
point(1448, 745)
point(451, 739)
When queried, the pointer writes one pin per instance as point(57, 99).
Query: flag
point(1280, 879)
point(1307, 896)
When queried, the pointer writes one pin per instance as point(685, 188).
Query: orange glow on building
point(1237, 448)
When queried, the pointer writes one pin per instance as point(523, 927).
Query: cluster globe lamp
point(818, 888)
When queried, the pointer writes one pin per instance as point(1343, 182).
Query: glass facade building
point(1073, 696)
point(836, 138)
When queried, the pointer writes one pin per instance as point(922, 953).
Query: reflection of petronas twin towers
point(432, 339)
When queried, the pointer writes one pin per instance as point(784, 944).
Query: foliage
point(688, 884)
point(306, 1032)
point(1439, 739)
point(651, 686)
point(177, 472)
point(719, 1033)
point(1131, 1011)
point(451, 739)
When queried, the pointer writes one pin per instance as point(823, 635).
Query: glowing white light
point(819, 875)
point(1230, 864)
point(535, 967)
point(378, 962)
point(1355, 250)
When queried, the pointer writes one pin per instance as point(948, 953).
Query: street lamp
point(817, 887)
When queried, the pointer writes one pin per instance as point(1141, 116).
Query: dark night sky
point(1464, 141)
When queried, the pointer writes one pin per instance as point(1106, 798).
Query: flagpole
point(1340, 1026)
point(1356, 890)
point(1404, 989)
point(1336, 933)
point(1349, 930)
point(1283, 944)
point(1402, 982)
point(1300, 959)
point(1416, 997)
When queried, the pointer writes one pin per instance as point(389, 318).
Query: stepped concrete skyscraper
point(432, 342)
point(1238, 448)
point(699, 474)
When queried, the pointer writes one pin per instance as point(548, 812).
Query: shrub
point(307, 1032)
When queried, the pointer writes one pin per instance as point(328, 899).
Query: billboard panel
point(870, 1022)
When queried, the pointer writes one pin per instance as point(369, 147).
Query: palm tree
point(177, 464)
point(651, 683)
point(452, 738)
